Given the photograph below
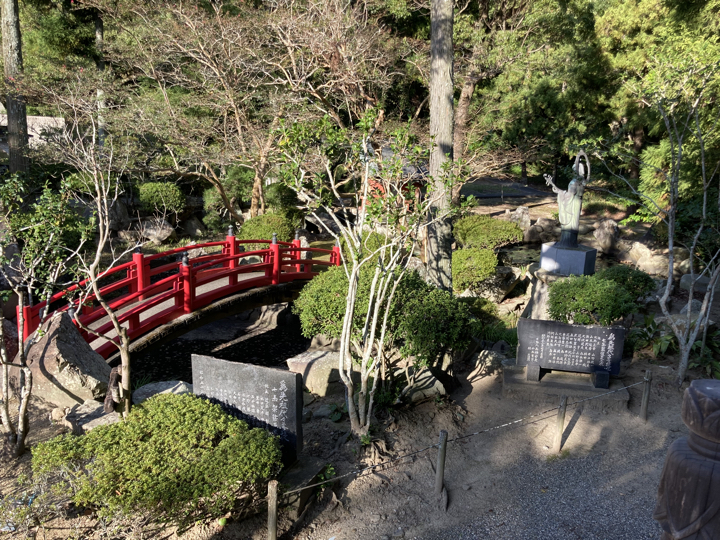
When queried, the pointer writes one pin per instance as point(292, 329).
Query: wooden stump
point(688, 505)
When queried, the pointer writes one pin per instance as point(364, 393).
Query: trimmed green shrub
point(263, 227)
point(589, 300)
point(176, 457)
point(486, 232)
point(636, 282)
point(422, 321)
point(161, 198)
point(470, 267)
point(282, 199)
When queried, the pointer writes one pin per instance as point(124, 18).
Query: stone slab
point(319, 370)
point(164, 387)
point(263, 397)
point(568, 261)
point(305, 472)
point(569, 347)
point(575, 386)
point(83, 418)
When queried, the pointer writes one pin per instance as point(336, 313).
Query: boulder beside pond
point(66, 371)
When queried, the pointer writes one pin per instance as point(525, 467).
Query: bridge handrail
point(278, 263)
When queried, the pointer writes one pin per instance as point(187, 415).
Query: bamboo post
point(646, 395)
point(272, 509)
point(560, 425)
point(440, 469)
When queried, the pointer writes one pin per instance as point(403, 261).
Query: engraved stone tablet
point(570, 347)
point(263, 397)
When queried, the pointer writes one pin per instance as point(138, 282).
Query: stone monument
point(567, 257)
point(688, 506)
point(264, 397)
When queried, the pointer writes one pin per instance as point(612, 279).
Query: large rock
point(521, 216)
point(546, 224)
point(321, 342)
point(193, 227)
point(66, 371)
point(118, 217)
point(499, 286)
point(157, 230)
point(416, 264)
point(323, 222)
point(165, 387)
point(701, 283)
point(531, 235)
point(83, 418)
point(319, 370)
point(10, 333)
point(607, 235)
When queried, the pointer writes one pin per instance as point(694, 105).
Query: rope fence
point(442, 444)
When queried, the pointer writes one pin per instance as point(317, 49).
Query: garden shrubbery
point(424, 321)
point(161, 198)
point(589, 300)
point(486, 232)
point(176, 457)
point(470, 267)
point(636, 282)
point(263, 227)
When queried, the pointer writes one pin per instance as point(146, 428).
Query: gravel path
point(590, 498)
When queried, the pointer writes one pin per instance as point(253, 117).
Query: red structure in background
point(281, 263)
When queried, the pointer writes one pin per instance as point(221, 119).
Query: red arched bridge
point(145, 297)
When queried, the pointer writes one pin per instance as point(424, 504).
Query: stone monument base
point(556, 384)
point(565, 261)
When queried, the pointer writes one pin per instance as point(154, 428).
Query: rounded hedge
point(161, 198)
point(470, 267)
point(423, 321)
point(486, 232)
point(176, 457)
point(263, 227)
point(589, 300)
point(636, 282)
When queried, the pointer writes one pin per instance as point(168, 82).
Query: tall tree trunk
point(100, 64)
point(637, 140)
point(439, 245)
point(523, 172)
point(257, 201)
point(16, 112)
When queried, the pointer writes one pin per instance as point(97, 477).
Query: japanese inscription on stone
point(570, 347)
point(263, 397)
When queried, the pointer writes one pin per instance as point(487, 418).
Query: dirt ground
point(397, 501)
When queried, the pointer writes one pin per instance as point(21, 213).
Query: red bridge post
point(187, 283)
point(142, 273)
point(298, 253)
point(232, 251)
point(275, 255)
point(335, 258)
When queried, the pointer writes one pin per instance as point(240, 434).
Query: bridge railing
point(187, 286)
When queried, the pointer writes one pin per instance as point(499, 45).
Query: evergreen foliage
point(177, 458)
point(263, 227)
point(636, 282)
point(477, 231)
point(589, 300)
point(161, 198)
point(470, 267)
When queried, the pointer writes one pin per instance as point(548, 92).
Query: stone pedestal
point(688, 505)
point(566, 261)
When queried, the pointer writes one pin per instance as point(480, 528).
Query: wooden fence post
point(272, 509)
point(646, 395)
point(440, 469)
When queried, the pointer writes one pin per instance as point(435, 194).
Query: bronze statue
point(570, 202)
point(688, 506)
